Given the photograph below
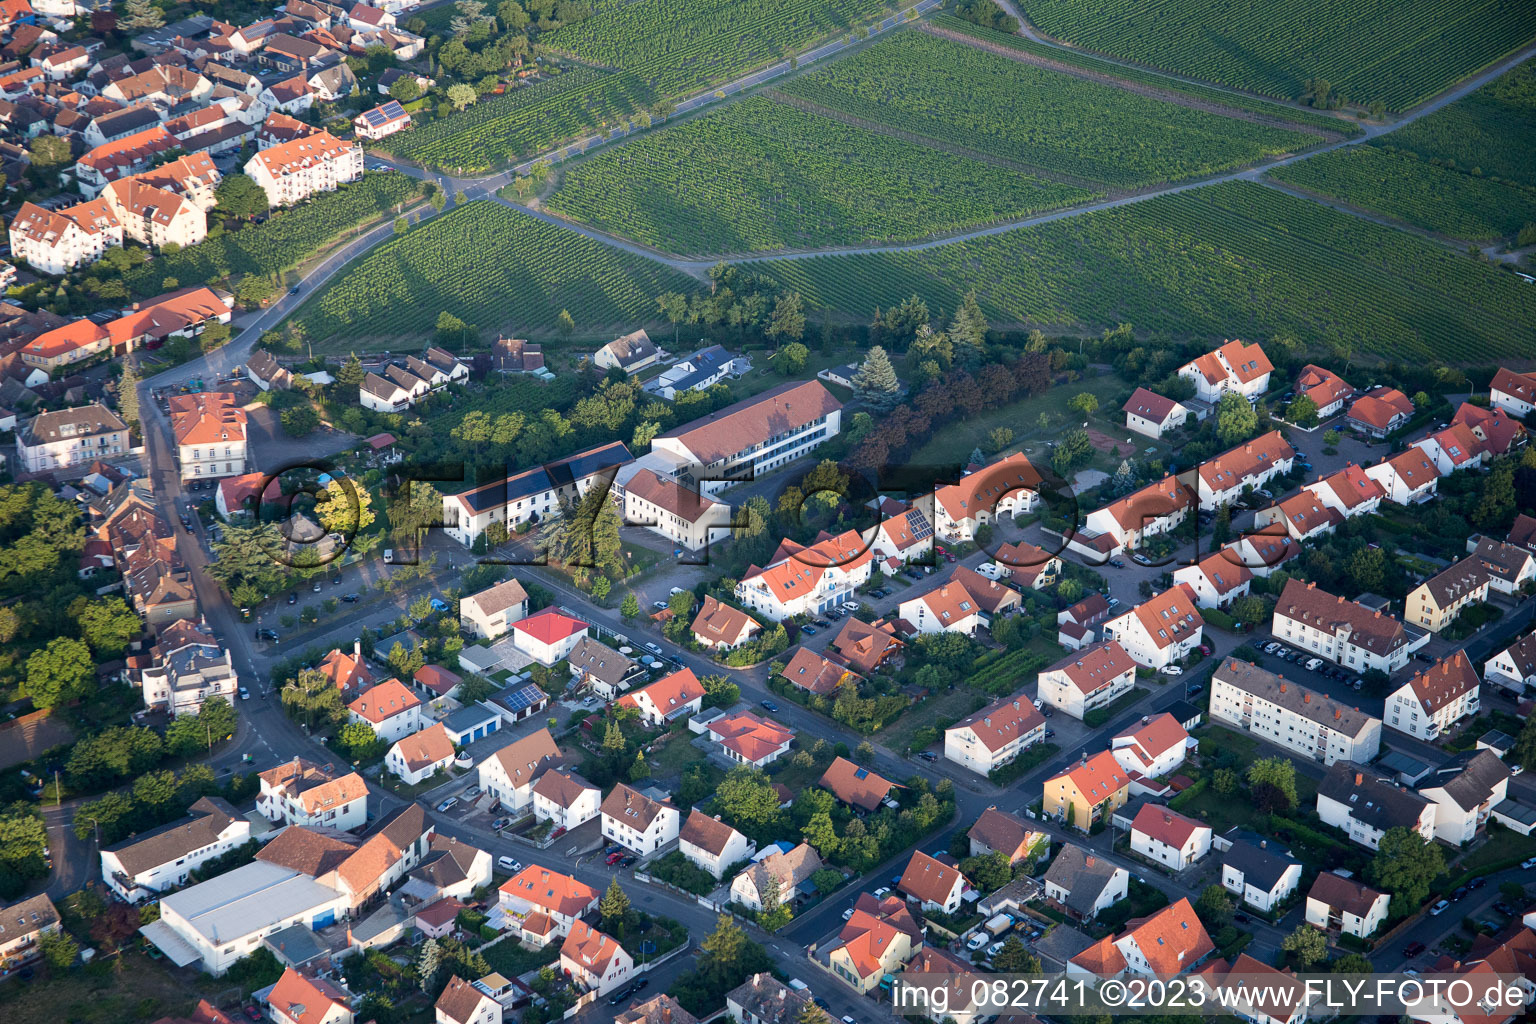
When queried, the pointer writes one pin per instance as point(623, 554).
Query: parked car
point(447, 804)
point(501, 822)
point(994, 949)
point(660, 606)
point(508, 865)
point(1412, 950)
point(245, 694)
point(266, 634)
point(1172, 670)
point(1046, 711)
point(927, 755)
point(675, 591)
point(471, 792)
point(848, 913)
point(1444, 905)
point(1528, 864)
point(613, 858)
point(349, 598)
point(654, 648)
point(808, 630)
point(882, 892)
point(1194, 688)
point(769, 705)
point(1313, 664)
point(1049, 733)
point(850, 606)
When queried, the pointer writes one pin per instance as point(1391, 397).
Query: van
point(508, 865)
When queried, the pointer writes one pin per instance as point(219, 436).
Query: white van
point(508, 865)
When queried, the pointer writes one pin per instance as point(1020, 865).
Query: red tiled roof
point(854, 784)
point(982, 490)
point(1171, 940)
point(1149, 405)
point(1165, 825)
point(1097, 779)
point(549, 626)
point(1380, 407)
point(551, 890)
point(754, 420)
point(1093, 667)
point(384, 701)
point(930, 880)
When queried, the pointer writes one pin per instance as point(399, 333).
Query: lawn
point(944, 707)
point(99, 994)
point(1502, 849)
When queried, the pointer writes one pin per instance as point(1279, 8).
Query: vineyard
point(1488, 132)
point(681, 46)
point(1398, 52)
point(490, 266)
point(1150, 79)
point(1231, 260)
point(1418, 192)
point(524, 121)
point(762, 175)
point(284, 241)
point(958, 94)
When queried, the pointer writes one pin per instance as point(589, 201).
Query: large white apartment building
point(1090, 678)
point(533, 495)
point(54, 241)
point(70, 439)
point(1246, 697)
point(1435, 699)
point(1343, 632)
point(295, 170)
point(995, 735)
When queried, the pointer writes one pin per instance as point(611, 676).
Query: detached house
point(879, 937)
point(1167, 837)
point(1083, 884)
point(1007, 488)
point(390, 709)
point(599, 666)
point(1379, 411)
point(1087, 792)
point(747, 739)
point(463, 1003)
point(1336, 903)
point(1435, 699)
point(164, 858)
point(678, 695)
point(301, 793)
point(866, 647)
point(817, 673)
point(594, 960)
point(1509, 566)
point(1028, 566)
point(719, 627)
point(1217, 580)
point(544, 904)
point(1235, 366)
point(1436, 603)
point(421, 755)
point(210, 435)
point(1513, 668)
point(791, 870)
point(634, 351)
point(1092, 677)
point(1513, 392)
point(855, 785)
point(1327, 390)
point(712, 845)
point(636, 822)
point(491, 613)
point(1160, 631)
point(548, 636)
point(1149, 413)
point(994, 736)
point(1465, 790)
point(998, 831)
point(564, 798)
point(1259, 876)
point(1303, 516)
point(1153, 750)
point(932, 883)
point(1169, 942)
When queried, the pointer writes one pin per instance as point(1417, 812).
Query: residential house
point(998, 831)
point(1379, 411)
point(905, 533)
point(542, 898)
point(1496, 432)
point(565, 799)
point(383, 120)
point(1160, 631)
point(509, 773)
point(491, 612)
point(1086, 792)
point(119, 159)
point(1077, 626)
point(349, 673)
point(1439, 600)
point(1340, 631)
point(944, 982)
point(636, 822)
point(299, 998)
point(1513, 392)
point(1090, 678)
point(302, 793)
point(548, 636)
point(1084, 884)
point(1464, 791)
point(763, 999)
point(994, 736)
point(293, 171)
point(1510, 567)
point(698, 372)
point(676, 695)
point(533, 495)
point(855, 785)
point(817, 673)
point(1263, 704)
point(154, 216)
point(1007, 488)
point(1435, 699)
point(1217, 579)
point(186, 667)
point(210, 435)
point(712, 845)
point(866, 647)
point(594, 960)
point(631, 353)
point(463, 1003)
point(802, 580)
point(1364, 805)
point(263, 370)
point(1303, 516)
point(680, 514)
point(604, 669)
point(1259, 876)
point(876, 940)
point(164, 858)
point(1153, 750)
point(1167, 837)
point(1235, 366)
point(1155, 509)
point(1453, 449)
point(932, 884)
point(1149, 413)
point(53, 242)
point(746, 738)
point(791, 870)
point(1336, 903)
point(67, 441)
point(1254, 991)
point(949, 607)
point(1350, 492)
point(390, 709)
point(1407, 478)
point(1026, 565)
point(1513, 668)
point(1327, 390)
point(1247, 467)
point(750, 438)
point(22, 927)
point(662, 1009)
point(719, 627)
point(433, 682)
point(1167, 943)
point(421, 755)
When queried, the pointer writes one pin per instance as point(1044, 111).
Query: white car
point(675, 591)
point(653, 648)
point(1516, 769)
point(1528, 864)
point(994, 949)
point(1313, 664)
point(882, 892)
point(1173, 670)
point(850, 606)
point(1440, 908)
point(847, 913)
point(976, 941)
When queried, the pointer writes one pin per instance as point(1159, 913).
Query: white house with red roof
point(932, 883)
point(807, 580)
point(1160, 631)
point(1167, 837)
point(548, 636)
point(1435, 698)
point(1149, 413)
point(1327, 390)
point(594, 960)
point(1350, 492)
point(1379, 411)
point(676, 695)
point(1217, 579)
point(1089, 678)
point(905, 534)
point(1154, 509)
point(53, 241)
point(1497, 431)
point(1407, 478)
point(1303, 515)
point(1264, 551)
point(293, 171)
point(1248, 466)
point(305, 999)
point(1513, 392)
point(750, 739)
point(544, 904)
point(421, 755)
point(1152, 750)
point(348, 672)
point(1455, 448)
point(1007, 488)
point(1169, 942)
point(390, 709)
point(995, 735)
point(1236, 367)
point(210, 435)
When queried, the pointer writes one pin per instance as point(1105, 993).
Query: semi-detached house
point(509, 773)
point(1167, 943)
point(1272, 708)
point(1248, 466)
point(1465, 790)
point(1336, 903)
point(1365, 806)
point(1217, 580)
point(1234, 367)
point(1258, 875)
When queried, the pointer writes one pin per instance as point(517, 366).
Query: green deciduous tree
point(1306, 947)
point(1405, 865)
point(239, 196)
point(1236, 420)
point(1214, 907)
point(1013, 958)
point(790, 359)
point(1273, 781)
point(58, 673)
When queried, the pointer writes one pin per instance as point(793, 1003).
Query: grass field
point(492, 267)
point(762, 175)
point(1232, 260)
point(953, 445)
point(1467, 170)
point(1398, 53)
point(959, 94)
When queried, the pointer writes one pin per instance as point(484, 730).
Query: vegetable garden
point(763, 175)
point(959, 94)
point(285, 240)
point(1398, 53)
point(1230, 260)
point(490, 266)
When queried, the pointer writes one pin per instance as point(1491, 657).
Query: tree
point(968, 331)
point(787, 321)
point(615, 909)
point(1224, 781)
point(140, 16)
point(1013, 958)
point(1302, 411)
point(1525, 745)
point(790, 359)
point(128, 394)
point(1236, 421)
point(989, 872)
point(1405, 865)
point(875, 383)
point(1084, 403)
point(405, 88)
point(719, 692)
point(461, 95)
point(108, 625)
point(49, 150)
point(238, 195)
point(59, 950)
point(1214, 907)
point(629, 607)
point(639, 771)
point(58, 673)
point(1352, 963)
point(821, 833)
point(1273, 781)
point(1306, 947)
point(313, 695)
point(349, 376)
point(564, 323)
point(745, 795)
point(428, 964)
point(347, 508)
point(217, 717)
point(1000, 438)
point(299, 420)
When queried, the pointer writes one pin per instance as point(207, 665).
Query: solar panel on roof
point(526, 697)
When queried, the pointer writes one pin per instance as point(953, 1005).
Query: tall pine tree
point(128, 394)
point(968, 331)
point(875, 384)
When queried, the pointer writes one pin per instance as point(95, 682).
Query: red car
point(253, 1013)
point(614, 858)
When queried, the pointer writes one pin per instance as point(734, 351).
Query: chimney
point(1359, 778)
point(1337, 714)
point(1282, 687)
point(1306, 698)
point(1088, 861)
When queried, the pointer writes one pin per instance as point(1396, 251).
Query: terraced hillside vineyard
point(1398, 52)
point(678, 46)
point(962, 95)
point(1467, 170)
point(761, 175)
point(1237, 259)
point(490, 266)
point(528, 120)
